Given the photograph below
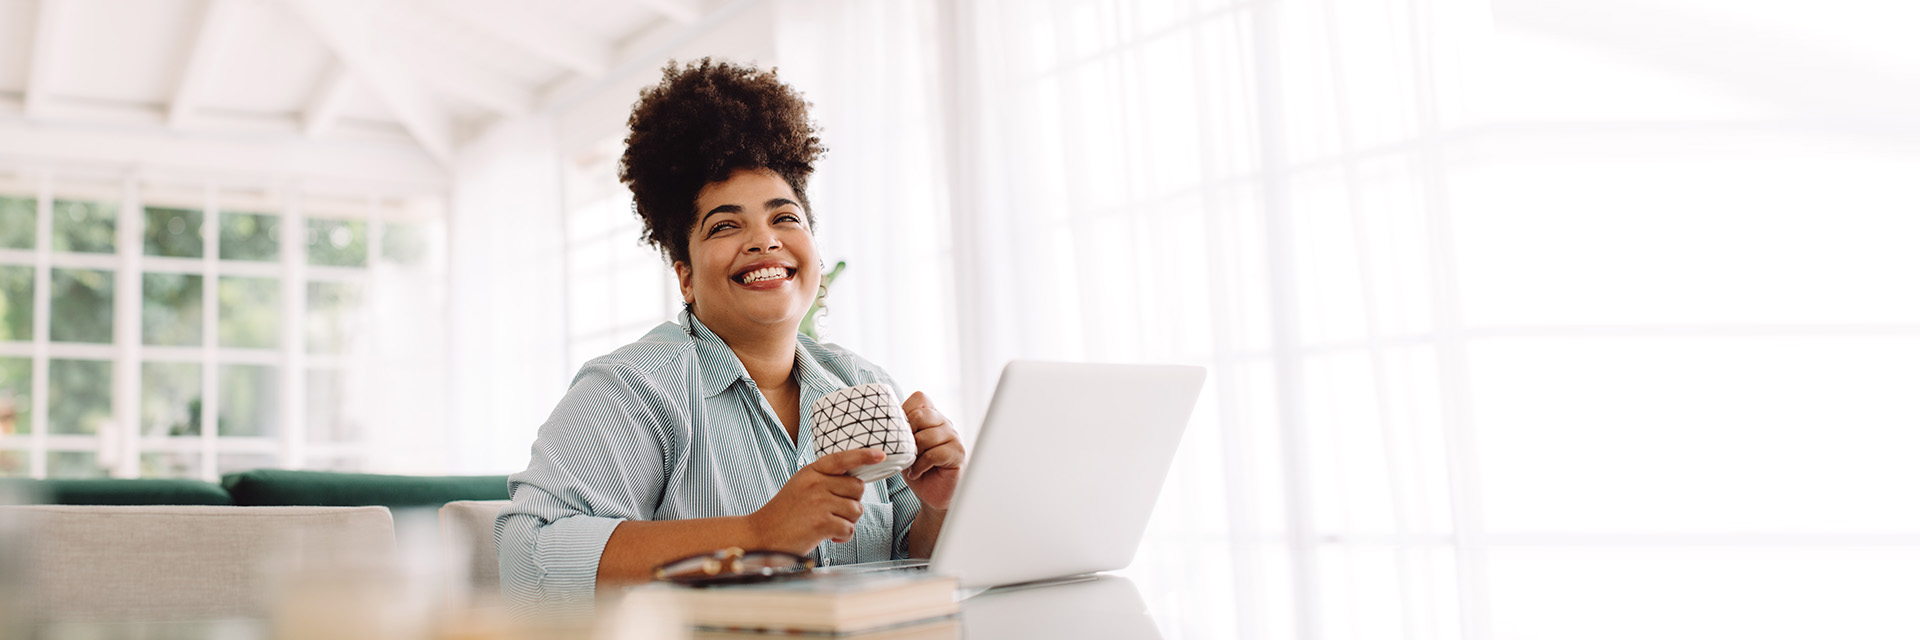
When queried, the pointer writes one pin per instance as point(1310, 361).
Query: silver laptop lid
point(1065, 470)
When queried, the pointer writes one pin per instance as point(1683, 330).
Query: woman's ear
point(685, 274)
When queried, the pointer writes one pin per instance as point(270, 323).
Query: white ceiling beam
point(347, 28)
point(207, 47)
point(401, 164)
point(49, 29)
point(533, 32)
point(328, 99)
point(640, 53)
point(139, 119)
point(457, 78)
point(681, 11)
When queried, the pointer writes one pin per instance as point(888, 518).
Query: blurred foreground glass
point(331, 310)
point(249, 400)
point(16, 303)
point(18, 218)
point(227, 463)
point(169, 464)
point(336, 243)
point(328, 420)
point(249, 236)
point(170, 399)
point(404, 243)
point(79, 395)
point(174, 233)
point(250, 312)
point(84, 226)
point(170, 309)
point(74, 464)
point(82, 305)
point(16, 396)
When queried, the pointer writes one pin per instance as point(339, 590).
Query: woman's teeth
point(769, 273)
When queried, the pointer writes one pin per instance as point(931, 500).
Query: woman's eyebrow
point(725, 208)
point(780, 202)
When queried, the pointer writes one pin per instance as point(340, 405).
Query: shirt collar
point(815, 380)
point(720, 368)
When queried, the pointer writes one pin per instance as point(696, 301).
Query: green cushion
point(283, 488)
point(117, 491)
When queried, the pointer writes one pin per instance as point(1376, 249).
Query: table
point(1105, 606)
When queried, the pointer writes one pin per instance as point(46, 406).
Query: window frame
point(120, 439)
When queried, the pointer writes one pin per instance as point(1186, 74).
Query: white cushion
point(105, 562)
point(467, 527)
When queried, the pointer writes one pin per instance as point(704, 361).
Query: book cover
point(822, 603)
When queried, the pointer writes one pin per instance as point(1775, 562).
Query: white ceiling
point(430, 73)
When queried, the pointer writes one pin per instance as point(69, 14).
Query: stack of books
point(871, 605)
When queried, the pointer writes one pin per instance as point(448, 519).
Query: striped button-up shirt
point(667, 428)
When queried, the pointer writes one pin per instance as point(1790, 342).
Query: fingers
point(926, 439)
point(915, 402)
point(847, 487)
point(947, 455)
point(838, 464)
point(936, 441)
point(926, 417)
point(848, 510)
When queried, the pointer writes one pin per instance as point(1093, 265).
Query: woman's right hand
point(820, 502)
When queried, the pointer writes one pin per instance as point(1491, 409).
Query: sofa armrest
point(197, 562)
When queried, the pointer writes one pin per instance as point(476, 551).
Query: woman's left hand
point(936, 470)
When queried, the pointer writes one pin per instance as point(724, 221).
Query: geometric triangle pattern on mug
point(860, 417)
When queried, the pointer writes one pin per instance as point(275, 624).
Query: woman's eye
point(787, 217)
point(717, 228)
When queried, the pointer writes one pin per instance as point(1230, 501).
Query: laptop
point(1063, 474)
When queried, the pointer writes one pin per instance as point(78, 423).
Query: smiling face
point(751, 266)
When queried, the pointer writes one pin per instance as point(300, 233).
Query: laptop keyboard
point(917, 564)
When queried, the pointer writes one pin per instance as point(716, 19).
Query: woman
point(694, 438)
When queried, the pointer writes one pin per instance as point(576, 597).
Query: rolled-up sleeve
point(600, 458)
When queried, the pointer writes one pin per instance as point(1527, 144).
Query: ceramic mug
point(862, 417)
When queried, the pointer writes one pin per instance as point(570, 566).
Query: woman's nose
point(763, 245)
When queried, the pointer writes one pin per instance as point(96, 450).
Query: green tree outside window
point(336, 243)
point(170, 309)
point(16, 303)
point(79, 396)
point(250, 312)
point(82, 305)
point(173, 233)
point(84, 226)
point(18, 218)
point(249, 236)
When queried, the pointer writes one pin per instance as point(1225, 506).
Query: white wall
point(506, 364)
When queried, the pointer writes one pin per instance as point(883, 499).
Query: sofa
point(154, 549)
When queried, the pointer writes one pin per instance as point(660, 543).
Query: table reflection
point(1104, 606)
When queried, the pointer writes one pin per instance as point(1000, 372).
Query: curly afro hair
point(700, 124)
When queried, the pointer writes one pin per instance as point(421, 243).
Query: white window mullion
point(122, 446)
point(293, 347)
point(209, 333)
point(42, 325)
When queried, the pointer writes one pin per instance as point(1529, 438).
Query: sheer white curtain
point(871, 70)
point(1543, 319)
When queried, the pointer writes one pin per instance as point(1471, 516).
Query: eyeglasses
point(732, 565)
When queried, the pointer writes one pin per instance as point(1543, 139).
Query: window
point(1510, 311)
point(160, 329)
point(618, 287)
